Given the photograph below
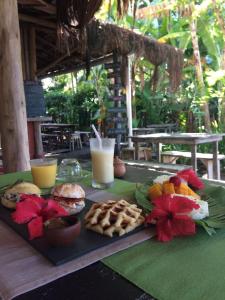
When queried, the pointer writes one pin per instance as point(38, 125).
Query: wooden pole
point(13, 121)
point(32, 48)
point(129, 101)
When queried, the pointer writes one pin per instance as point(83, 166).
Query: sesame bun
point(70, 196)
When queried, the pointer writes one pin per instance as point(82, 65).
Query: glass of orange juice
point(44, 172)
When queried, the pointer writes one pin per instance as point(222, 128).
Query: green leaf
point(205, 226)
point(141, 197)
point(206, 33)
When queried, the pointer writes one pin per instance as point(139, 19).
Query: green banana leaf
point(213, 194)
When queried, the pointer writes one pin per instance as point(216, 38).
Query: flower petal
point(191, 177)
point(183, 225)
point(25, 211)
point(163, 202)
point(164, 230)
point(182, 205)
point(53, 210)
point(176, 180)
point(39, 201)
point(35, 228)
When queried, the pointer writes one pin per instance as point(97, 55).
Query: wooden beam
point(13, 120)
point(46, 42)
point(32, 52)
point(40, 5)
point(22, 53)
point(55, 62)
point(26, 51)
point(77, 67)
point(37, 21)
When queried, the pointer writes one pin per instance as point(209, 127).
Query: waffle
point(113, 217)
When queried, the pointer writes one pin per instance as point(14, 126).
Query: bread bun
point(12, 195)
point(70, 196)
point(9, 203)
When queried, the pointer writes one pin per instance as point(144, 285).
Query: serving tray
point(86, 242)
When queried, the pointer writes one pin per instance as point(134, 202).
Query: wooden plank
point(116, 119)
point(117, 110)
point(115, 86)
point(186, 154)
point(116, 131)
point(39, 5)
point(26, 52)
point(193, 157)
point(117, 98)
point(112, 66)
point(38, 140)
point(32, 52)
point(156, 165)
point(112, 75)
point(216, 167)
point(13, 122)
point(38, 21)
point(55, 62)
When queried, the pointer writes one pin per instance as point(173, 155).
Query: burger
point(70, 196)
point(12, 195)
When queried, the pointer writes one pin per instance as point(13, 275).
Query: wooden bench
point(129, 153)
point(173, 168)
point(205, 158)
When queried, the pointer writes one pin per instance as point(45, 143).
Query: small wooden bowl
point(66, 235)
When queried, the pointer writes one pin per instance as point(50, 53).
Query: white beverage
point(102, 165)
point(102, 153)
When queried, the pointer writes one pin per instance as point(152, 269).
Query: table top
point(57, 125)
point(179, 138)
point(168, 125)
point(37, 260)
point(82, 132)
point(96, 279)
point(143, 130)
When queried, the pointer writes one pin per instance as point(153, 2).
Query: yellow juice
point(44, 175)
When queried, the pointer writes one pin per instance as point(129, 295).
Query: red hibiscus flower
point(171, 217)
point(192, 179)
point(175, 180)
point(35, 210)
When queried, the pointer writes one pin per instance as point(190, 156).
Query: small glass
point(102, 163)
point(44, 172)
point(70, 170)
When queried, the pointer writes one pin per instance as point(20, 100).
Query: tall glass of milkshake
point(102, 162)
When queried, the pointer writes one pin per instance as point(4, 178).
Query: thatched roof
point(102, 40)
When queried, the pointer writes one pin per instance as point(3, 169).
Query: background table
point(192, 139)
point(167, 128)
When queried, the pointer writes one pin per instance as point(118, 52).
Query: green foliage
point(90, 100)
point(65, 106)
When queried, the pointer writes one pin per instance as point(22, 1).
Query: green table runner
point(120, 187)
point(189, 268)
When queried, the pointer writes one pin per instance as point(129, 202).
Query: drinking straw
point(97, 136)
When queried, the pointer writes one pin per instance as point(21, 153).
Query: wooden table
point(167, 128)
point(94, 281)
point(138, 131)
point(192, 139)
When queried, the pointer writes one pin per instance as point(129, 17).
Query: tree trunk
point(13, 121)
point(199, 74)
point(221, 23)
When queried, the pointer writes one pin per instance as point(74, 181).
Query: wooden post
point(13, 121)
point(129, 101)
point(33, 62)
point(39, 152)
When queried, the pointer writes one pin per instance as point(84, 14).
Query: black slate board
point(85, 243)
